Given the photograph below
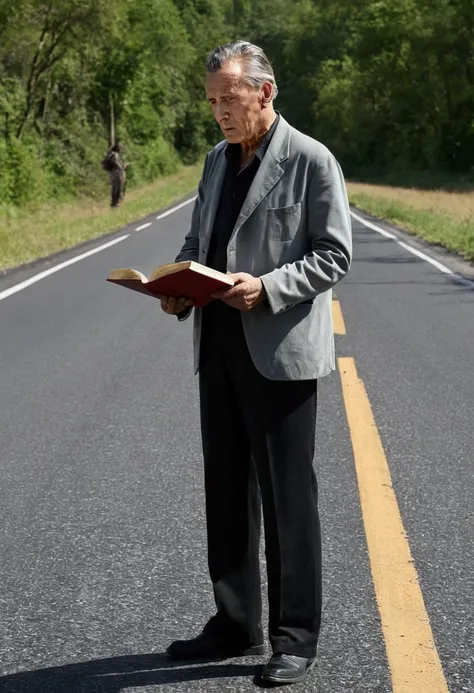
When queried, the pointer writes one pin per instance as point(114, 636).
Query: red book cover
point(183, 279)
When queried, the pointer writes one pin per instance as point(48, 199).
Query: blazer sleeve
point(190, 248)
point(330, 236)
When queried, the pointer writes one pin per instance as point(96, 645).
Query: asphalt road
point(102, 535)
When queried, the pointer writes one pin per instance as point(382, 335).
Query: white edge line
point(32, 280)
point(174, 209)
point(369, 224)
point(442, 268)
point(432, 261)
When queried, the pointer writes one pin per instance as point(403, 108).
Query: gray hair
point(256, 66)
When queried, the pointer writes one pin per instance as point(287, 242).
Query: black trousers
point(258, 434)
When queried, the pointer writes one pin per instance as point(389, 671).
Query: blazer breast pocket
point(282, 223)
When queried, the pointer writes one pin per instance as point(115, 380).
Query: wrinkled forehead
point(226, 80)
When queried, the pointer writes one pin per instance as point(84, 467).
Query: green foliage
point(22, 178)
point(74, 75)
point(385, 85)
point(156, 158)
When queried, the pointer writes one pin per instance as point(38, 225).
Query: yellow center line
point(337, 318)
point(412, 656)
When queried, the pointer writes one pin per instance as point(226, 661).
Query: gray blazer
point(294, 232)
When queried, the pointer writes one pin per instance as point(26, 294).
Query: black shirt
point(236, 184)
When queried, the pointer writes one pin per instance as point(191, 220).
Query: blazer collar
point(279, 146)
point(269, 173)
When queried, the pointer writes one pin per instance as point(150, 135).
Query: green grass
point(27, 234)
point(37, 231)
point(433, 226)
point(410, 178)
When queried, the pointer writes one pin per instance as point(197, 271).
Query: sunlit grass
point(438, 216)
point(37, 231)
point(441, 217)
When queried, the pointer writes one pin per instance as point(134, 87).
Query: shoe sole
point(296, 679)
point(253, 651)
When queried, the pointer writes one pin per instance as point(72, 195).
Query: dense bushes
point(76, 74)
point(386, 85)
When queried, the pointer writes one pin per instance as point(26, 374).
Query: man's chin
point(232, 136)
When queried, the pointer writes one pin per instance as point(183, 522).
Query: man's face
point(236, 105)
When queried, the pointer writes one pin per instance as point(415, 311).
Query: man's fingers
point(182, 304)
point(172, 305)
point(239, 304)
point(238, 276)
point(234, 292)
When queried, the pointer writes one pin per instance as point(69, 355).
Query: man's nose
point(222, 113)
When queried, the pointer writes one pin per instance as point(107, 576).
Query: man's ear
point(266, 94)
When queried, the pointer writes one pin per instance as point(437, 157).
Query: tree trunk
point(31, 85)
point(112, 120)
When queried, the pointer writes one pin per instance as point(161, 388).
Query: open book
point(187, 279)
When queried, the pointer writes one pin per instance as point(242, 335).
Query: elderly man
point(272, 210)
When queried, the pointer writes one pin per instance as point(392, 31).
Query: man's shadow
point(117, 674)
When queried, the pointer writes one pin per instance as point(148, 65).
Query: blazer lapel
point(268, 174)
point(213, 194)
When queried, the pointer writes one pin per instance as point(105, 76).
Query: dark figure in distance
point(115, 167)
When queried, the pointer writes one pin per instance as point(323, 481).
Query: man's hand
point(247, 292)
point(174, 306)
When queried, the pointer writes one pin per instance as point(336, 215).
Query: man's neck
point(248, 149)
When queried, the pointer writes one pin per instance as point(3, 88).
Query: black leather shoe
point(209, 646)
point(284, 668)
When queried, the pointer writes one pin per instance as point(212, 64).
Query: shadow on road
point(390, 259)
point(370, 238)
point(118, 674)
